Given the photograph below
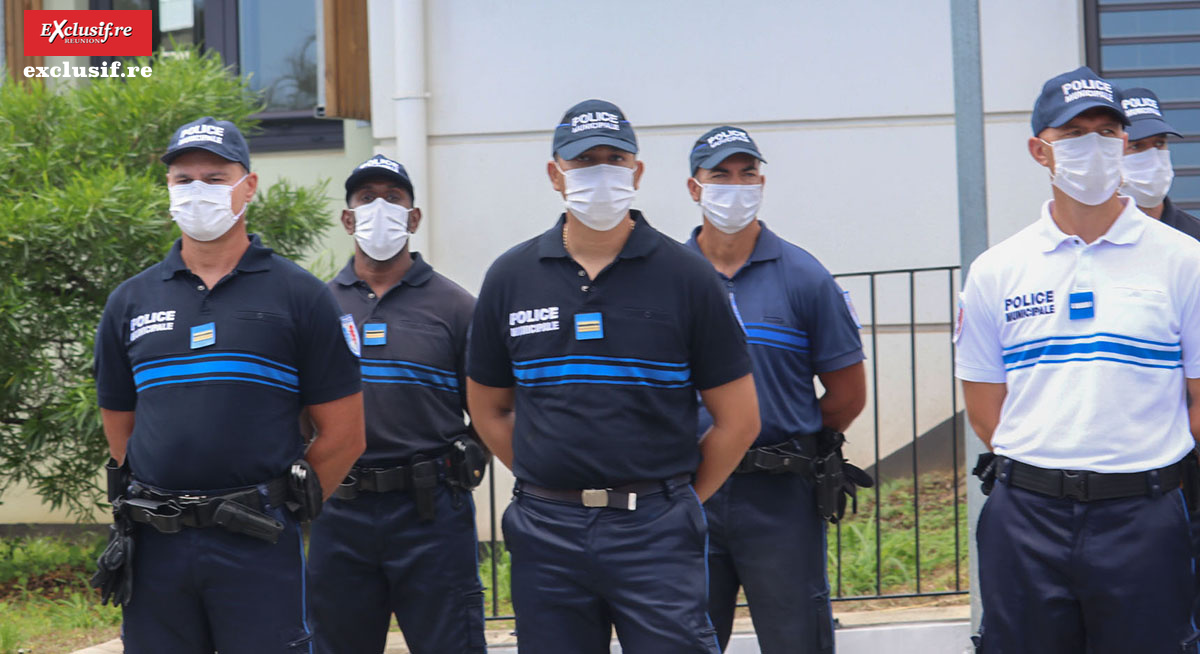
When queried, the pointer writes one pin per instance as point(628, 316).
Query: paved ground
point(503, 641)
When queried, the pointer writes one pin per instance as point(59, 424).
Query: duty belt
point(396, 478)
point(1087, 486)
point(619, 497)
point(794, 456)
point(169, 513)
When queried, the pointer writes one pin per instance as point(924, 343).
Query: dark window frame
point(1092, 42)
point(278, 131)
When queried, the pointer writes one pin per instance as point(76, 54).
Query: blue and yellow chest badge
point(589, 326)
point(204, 335)
point(375, 333)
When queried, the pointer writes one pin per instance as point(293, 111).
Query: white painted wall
point(851, 103)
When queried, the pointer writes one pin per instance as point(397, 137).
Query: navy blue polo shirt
point(1180, 219)
point(414, 341)
point(606, 370)
point(798, 324)
point(217, 377)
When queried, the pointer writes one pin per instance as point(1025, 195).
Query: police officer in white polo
point(1078, 344)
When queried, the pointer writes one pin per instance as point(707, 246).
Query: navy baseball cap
point(718, 143)
point(219, 137)
point(1070, 94)
point(591, 123)
point(379, 167)
point(1144, 114)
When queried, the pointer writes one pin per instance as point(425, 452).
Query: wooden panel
point(14, 37)
point(347, 68)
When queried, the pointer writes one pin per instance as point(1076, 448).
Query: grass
point(45, 598)
point(48, 606)
point(897, 560)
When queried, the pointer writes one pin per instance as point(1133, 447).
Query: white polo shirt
point(1102, 392)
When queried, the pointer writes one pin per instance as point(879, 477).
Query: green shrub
point(83, 207)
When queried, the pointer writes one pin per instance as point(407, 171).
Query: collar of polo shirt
point(257, 258)
point(419, 273)
point(1125, 230)
point(766, 248)
point(640, 243)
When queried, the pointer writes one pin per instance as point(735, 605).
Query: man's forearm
point(720, 453)
point(118, 427)
point(341, 438)
point(331, 459)
point(837, 413)
point(496, 432)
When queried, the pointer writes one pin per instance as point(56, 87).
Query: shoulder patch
point(850, 307)
point(350, 331)
point(958, 320)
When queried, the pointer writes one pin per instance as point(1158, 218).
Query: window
point(274, 41)
point(1155, 44)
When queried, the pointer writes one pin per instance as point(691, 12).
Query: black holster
point(1191, 481)
point(305, 497)
point(469, 463)
point(985, 469)
point(424, 487)
point(114, 566)
point(835, 478)
point(117, 478)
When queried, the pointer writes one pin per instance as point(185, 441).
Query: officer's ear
point(250, 185)
point(348, 221)
point(637, 173)
point(556, 178)
point(1041, 153)
point(694, 188)
point(414, 220)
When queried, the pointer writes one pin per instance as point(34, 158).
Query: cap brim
point(171, 155)
point(1146, 127)
point(576, 148)
point(1075, 109)
point(723, 154)
point(358, 177)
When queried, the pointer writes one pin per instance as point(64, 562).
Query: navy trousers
point(765, 536)
point(577, 572)
point(205, 590)
point(371, 558)
point(1059, 576)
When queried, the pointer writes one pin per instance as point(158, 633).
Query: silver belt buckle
point(595, 497)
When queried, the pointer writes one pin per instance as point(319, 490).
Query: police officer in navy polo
point(1078, 347)
point(766, 532)
point(398, 537)
point(204, 362)
point(1147, 165)
point(588, 346)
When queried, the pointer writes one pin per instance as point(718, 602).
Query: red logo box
point(87, 32)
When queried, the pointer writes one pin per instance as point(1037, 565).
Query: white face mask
point(599, 196)
point(730, 207)
point(204, 211)
point(1088, 167)
point(381, 228)
point(1148, 176)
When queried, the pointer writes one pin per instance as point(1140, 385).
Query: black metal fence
point(908, 320)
